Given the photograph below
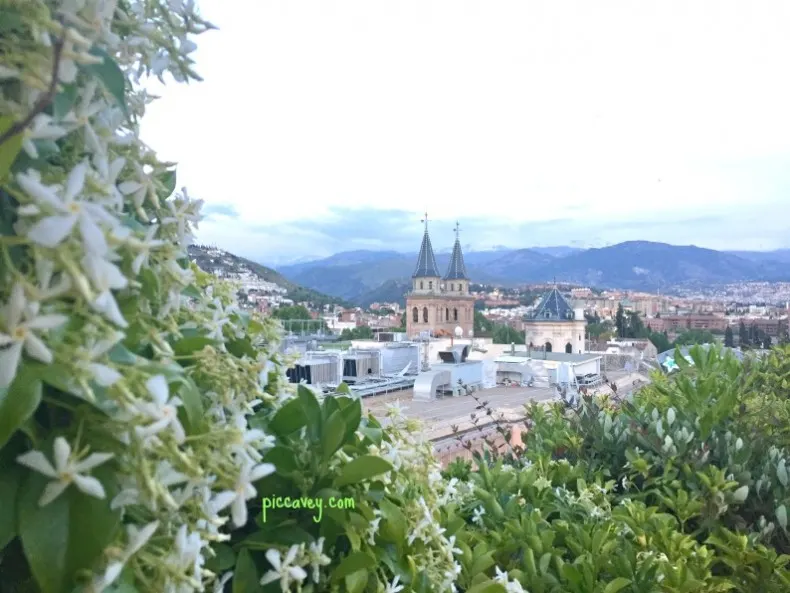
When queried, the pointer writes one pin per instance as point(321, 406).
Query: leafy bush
point(680, 490)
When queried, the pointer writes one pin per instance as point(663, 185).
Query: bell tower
point(426, 278)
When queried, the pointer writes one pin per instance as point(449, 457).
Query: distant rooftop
point(553, 307)
point(554, 356)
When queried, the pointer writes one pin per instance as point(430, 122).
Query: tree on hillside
point(362, 332)
point(481, 324)
point(619, 321)
point(729, 339)
point(635, 327)
point(660, 341)
point(504, 334)
point(743, 335)
point(695, 336)
point(291, 312)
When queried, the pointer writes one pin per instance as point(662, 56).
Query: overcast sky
point(325, 126)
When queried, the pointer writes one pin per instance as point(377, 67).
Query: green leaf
point(193, 405)
point(223, 560)
point(168, 180)
point(192, 291)
point(110, 75)
point(289, 418)
point(616, 585)
point(119, 354)
point(351, 564)
point(11, 474)
point(312, 410)
point(343, 388)
point(241, 348)
point(285, 534)
point(781, 472)
point(150, 284)
point(18, 402)
point(10, 148)
point(245, 575)
point(488, 587)
point(781, 516)
point(740, 494)
point(352, 414)
point(67, 535)
point(374, 434)
point(64, 101)
point(334, 434)
point(187, 346)
point(361, 469)
point(283, 459)
point(356, 581)
point(395, 521)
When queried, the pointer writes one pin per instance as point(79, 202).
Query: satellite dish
point(459, 332)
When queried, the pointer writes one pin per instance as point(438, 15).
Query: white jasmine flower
point(136, 539)
point(394, 587)
point(105, 277)
point(144, 247)
point(21, 320)
point(50, 231)
point(41, 128)
point(65, 471)
point(283, 568)
point(478, 516)
point(162, 410)
point(316, 558)
point(243, 491)
point(219, 585)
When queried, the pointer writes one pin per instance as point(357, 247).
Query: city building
point(554, 326)
point(436, 304)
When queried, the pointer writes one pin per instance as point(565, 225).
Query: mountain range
point(363, 277)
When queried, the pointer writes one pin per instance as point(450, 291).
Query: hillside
point(368, 276)
point(223, 263)
point(643, 265)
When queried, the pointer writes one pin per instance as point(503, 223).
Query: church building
point(555, 327)
point(439, 304)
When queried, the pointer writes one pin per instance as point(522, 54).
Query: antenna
point(457, 231)
point(425, 221)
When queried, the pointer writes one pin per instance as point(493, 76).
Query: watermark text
point(305, 502)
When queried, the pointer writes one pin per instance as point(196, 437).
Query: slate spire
point(553, 307)
point(457, 269)
point(426, 260)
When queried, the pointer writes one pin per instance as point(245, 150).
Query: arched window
point(430, 284)
point(531, 345)
point(415, 315)
point(455, 314)
point(568, 348)
point(425, 314)
point(548, 346)
point(421, 285)
point(452, 287)
point(447, 314)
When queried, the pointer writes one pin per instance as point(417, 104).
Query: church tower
point(439, 305)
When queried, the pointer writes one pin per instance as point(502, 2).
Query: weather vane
point(425, 221)
point(457, 229)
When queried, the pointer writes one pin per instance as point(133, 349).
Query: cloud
point(532, 123)
point(214, 210)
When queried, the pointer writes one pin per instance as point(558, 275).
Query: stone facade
point(559, 334)
point(444, 312)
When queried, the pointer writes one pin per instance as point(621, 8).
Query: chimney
point(579, 314)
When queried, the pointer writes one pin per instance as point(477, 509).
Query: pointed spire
point(457, 269)
point(426, 260)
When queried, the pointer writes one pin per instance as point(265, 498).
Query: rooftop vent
point(455, 355)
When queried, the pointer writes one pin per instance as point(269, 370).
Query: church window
point(548, 347)
point(421, 285)
point(425, 314)
point(430, 284)
point(452, 287)
point(447, 314)
point(415, 315)
point(455, 314)
point(568, 348)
